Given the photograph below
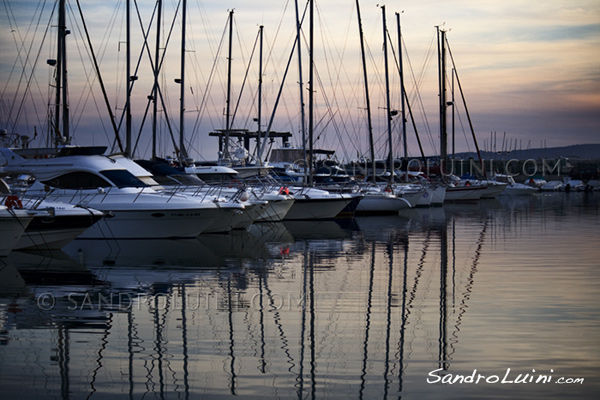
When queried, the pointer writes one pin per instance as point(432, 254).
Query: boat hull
point(12, 225)
point(53, 233)
point(305, 208)
point(152, 224)
point(519, 190)
point(276, 210)
point(374, 204)
point(464, 193)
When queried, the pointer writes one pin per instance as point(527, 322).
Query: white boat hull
point(12, 225)
point(55, 224)
point(381, 204)
point(152, 224)
point(276, 210)
point(412, 197)
point(228, 219)
point(425, 200)
point(438, 196)
point(464, 193)
point(520, 190)
point(493, 190)
point(316, 208)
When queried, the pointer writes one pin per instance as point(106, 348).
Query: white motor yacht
point(133, 209)
point(54, 224)
point(380, 201)
point(513, 188)
point(315, 204)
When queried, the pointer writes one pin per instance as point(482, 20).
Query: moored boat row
point(78, 192)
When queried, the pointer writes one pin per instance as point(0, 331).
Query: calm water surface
point(475, 294)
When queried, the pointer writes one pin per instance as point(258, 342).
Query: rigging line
point(82, 102)
point(159, 90)
point(237, 104)
point(331, 115)
point(464, 131)
point(268, 130)
point(277, 30)
point(91, 50)
point(465, 104)
point(337, 81)
point(90, 53)
point(32, 76)
point(209, 83)
point(419, 100)
point(137, 67)
point(328, 103)
point(19, 47)
point(159, 66)
point(83, 99)
point(408, 106)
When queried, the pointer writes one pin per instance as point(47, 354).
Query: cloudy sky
point(529, 71)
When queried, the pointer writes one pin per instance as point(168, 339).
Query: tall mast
point(182, 151)
point(387, 98)
point(465, 105)
point(156, 72)
point(128, 81)
point(442, 96)
point(367, 97)
point(61, 79)
point(310, 93)
point(453, 115)
point(228, 100)
point(301, 83)
point(260, 81)
point(403, 94)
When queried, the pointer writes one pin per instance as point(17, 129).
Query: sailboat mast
point(260, 82)
point(387, 98)
point(301, 84)
point(128, 80)
point(403, 92)
point(466, 108)
point(228, 100)
point(156, 72)
point(182, 152)
point(311, 96)
point(453, 118)
point(442, 98)
point(61, 79)
point(367, 97)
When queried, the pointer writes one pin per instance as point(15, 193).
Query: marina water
point(497, 299)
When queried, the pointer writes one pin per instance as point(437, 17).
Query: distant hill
point(578, 151)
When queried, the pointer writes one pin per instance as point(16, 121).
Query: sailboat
point(454, 191)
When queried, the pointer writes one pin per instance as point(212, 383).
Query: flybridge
point(224, 134)
point(52, 152)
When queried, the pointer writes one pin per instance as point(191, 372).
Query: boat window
point(217, 177)
point(77, 180)
point(122, 178)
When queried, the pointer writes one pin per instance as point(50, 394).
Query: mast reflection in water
point(368, 308)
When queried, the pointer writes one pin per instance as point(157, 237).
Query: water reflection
point(365, 309)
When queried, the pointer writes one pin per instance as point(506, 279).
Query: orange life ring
point(13, 202)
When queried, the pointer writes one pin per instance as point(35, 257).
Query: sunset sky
point(530, 69)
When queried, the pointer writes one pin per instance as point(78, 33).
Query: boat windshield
point(122, 178)
point(77, 180)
